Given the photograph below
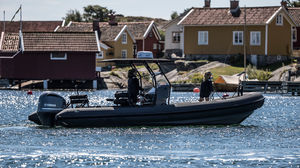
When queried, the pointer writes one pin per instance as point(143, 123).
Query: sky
point(56, 9)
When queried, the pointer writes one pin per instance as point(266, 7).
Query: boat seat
point(121, 98)
point(162, 94)
point(79, 100)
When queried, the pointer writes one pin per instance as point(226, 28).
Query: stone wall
point(257, 60)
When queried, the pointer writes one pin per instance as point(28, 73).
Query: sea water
point(270, 137)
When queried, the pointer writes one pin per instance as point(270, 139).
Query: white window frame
point(99, 55)
point(240, 35)
point(58, 58)
point(255, 38)
point(154, 46)
point(279, 20)
point(124, 38)
point(125, 53)
point(202, 37)
point(294, 34)
point(176, 37)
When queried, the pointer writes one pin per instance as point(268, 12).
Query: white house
point(174, 38)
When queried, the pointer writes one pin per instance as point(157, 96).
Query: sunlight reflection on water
point(268, 138)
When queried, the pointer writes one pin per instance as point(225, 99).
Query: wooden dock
point(272, 87)
point(279, 87)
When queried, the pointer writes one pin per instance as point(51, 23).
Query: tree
point(73, 15)
point(186, 10)
point(96, 12)
point(174, 15)
point(293, 3)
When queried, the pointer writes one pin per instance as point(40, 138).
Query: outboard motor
point(49, 105)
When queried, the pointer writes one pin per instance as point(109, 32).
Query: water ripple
point(268, 138)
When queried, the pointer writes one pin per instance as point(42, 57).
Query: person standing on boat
point(133, 87)
point(206, 87)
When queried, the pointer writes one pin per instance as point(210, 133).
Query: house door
point(254, 59)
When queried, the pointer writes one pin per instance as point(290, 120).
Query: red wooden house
point(48, 56)
point(295, 14)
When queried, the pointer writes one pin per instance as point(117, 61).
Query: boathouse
point(49, 56)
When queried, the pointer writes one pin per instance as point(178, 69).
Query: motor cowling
point(48, 106)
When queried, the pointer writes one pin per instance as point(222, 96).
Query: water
point(268, 138)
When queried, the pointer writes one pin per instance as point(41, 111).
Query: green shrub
point(196, 78)
point(261, 75)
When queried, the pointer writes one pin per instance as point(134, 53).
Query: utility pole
point(245, 54)
point(4, 21)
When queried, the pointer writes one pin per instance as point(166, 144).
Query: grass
point(228, 70)
point(252, 72)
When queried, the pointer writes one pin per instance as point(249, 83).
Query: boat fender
point(29, 92)
point(196, 90)
point(225, 96)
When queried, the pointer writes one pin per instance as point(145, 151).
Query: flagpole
point(21, 18)
point(245, 54)
point(4, 21)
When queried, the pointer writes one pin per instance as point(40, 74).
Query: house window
point(255, 38)
point(124, 38)
point(294, 34)
point(124, 53)
point(238, 38)
point(58, 56)
point(279, 19)
point(154, 46)
point(202, 37)
point(99, 55)
point(176, 37)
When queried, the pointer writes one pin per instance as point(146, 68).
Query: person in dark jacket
point(206, 87)
point(133, 87)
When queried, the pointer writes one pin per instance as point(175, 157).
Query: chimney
point(234, 4)
point(284, 4)
point(235, 8)
point(96, 27)
point(206, 3)
point(112, 20)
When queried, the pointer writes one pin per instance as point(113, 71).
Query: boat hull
point(218, 112)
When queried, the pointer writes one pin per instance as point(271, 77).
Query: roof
point(109, 33)
point(9, 42)
point(171, 22)
point(75, 42)
point(76, 27)
point(30, 26)
point(138, 29)
point(222, 16)
point(295, 14)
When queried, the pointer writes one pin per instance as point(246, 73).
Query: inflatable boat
point(153, 110)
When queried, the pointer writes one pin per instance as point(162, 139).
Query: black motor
point(49, 105)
